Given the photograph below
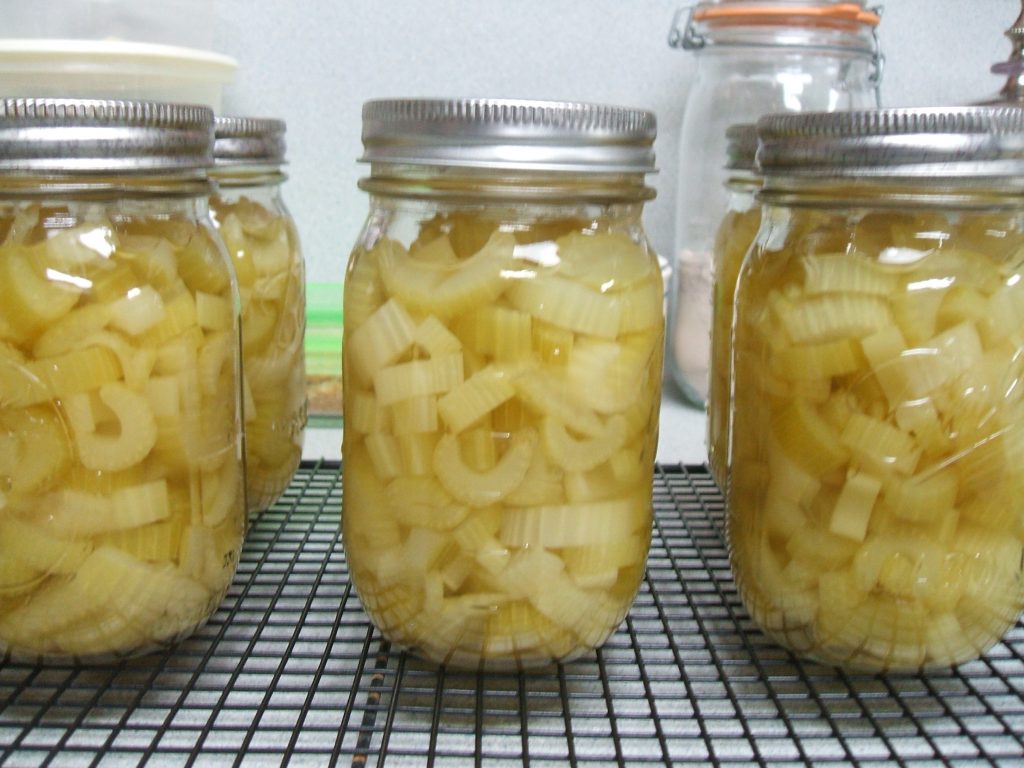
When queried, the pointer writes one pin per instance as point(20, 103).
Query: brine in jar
point(122, 507)
point(876, 512)
point(502, 369)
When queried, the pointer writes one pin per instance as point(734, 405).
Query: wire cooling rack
point(290, 672)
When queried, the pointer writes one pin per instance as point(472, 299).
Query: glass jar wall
point(502, 364)
point(121, 477)
point(752, 58)
point(264, 246)
point(876, 504)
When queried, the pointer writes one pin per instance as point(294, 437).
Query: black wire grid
point(289, 671)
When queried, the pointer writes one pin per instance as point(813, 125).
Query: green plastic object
point(323, 352)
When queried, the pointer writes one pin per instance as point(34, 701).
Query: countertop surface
point(681, 438)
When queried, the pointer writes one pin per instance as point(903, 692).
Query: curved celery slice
point(136, 436)
point(36, 451)
point(71, 330)
point(418, 378)
point(879, 445)
point(448, 291)
point(835, 316)
point(542, 484)
point(141, 309)
point(604, 260)
point(475, 398)
point(137, 363)
point(422, 502)
point(581, 455)
point(846, 273)
point(29, 299)
point(569, 305)
point(572, 525)
point(808, 439)
point(39, 550)
point(609, 376)
point(478, 489)
point(84, 513)
point(549, 394)
point(79, 370)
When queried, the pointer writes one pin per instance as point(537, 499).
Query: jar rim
point(248, 141)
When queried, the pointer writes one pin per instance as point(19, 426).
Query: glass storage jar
point(752, 57)
point(502, 365)
point(734, 237)
point(261, 239)
point(122, 505)
point(876, 509)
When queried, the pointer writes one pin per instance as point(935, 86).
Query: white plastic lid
point(113, 69)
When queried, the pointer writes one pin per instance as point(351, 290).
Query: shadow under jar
point(122, 506)
point(502, 371)
point(875, 514)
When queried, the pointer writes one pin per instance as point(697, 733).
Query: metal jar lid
point(509, 134)
point(90, 136)
point(249, 141)
point(961, 142)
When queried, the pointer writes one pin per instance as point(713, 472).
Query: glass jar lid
point(249, 141)
point(509, 134)
point(741, 147)
point(92, 136)
point(961, 142)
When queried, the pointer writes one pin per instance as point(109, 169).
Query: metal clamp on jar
point(876, 512)
point(502, 370)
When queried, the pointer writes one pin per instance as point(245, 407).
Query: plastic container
point(260, 236)
point(502, 360)
point(735, 236)
point(122, 505)
point(876, 508)
point(114, 69)
point(752, 57)
point(323, 353)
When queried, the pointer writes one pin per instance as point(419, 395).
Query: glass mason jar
point(876, 509)
point(264, 246)
point(752, 57)
point(122, 504)
point(502, 365)
point(734, 237)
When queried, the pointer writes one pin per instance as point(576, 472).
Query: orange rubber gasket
point(824, 13)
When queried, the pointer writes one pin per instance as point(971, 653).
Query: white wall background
point(314, 62)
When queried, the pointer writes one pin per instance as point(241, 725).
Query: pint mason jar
point(876, 505)
point(122, 505)
point(261, 238)
point(734, 237)
point(502, 367)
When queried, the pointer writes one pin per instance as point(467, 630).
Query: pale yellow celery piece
point(418, 378)
point(877, 557)
point(79, 370)
point(551, 344)
point(137, 363)
point(609, 376)
point(846, 273)
point(71, 330)
point(852, 511)
point(571, 525)
point(38, 549)
point(923, 497)
point(422, 502)
point(76, 512)
point(138, 311)
point(478, 448)
point(567, 304)
point(479, 489)
point(216, 361)
point(221, 492)
point(880, 446)
point(603, 260)
point(641, 309)
point(500, 332)
point(827, 318)
point(366, 511)
point(214, 313)
point(443, 290)
point(820, 549)
point(415, 415)
point(788, 478)
point(17, 578)
point(583, 454)
point(818, 361)
point(179, 317)
point(29, 300)
point(476, 539)
point(364, 291)
point(530, 570)
point(473, 399)
point(542, 484)
point(809, 440)
point(363, 414)
point(598, 559)
point(381, 340)
point(434, 338)
point(548, 393)
point(135, 439)
point(385, 455)
point(155, 542)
